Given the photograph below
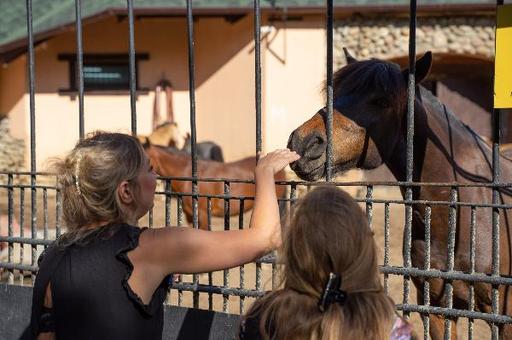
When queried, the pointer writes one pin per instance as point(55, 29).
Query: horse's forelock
point(370, 76)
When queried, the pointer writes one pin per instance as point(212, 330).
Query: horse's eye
point(381, 102)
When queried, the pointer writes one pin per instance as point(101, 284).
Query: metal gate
point(195, 285)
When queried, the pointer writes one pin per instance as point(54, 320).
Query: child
point(106, 278)
point(330, 278)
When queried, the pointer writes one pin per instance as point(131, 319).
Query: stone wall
point(388, 37)
point(12, 150)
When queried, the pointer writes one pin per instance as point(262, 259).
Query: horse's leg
point(506, 332)
point(437, 327)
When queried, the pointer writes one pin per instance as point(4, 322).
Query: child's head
point(92, 178)
point(328, 233)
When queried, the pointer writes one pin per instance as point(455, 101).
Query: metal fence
point(198, 285)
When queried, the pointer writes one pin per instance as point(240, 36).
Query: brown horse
point(369, 128)
point(178, 164)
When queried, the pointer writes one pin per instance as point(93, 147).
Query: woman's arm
point(188, 250)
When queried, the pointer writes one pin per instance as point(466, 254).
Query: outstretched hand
point(276, 160)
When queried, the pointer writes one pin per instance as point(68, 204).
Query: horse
point(169, 136)
point(205, 150)
point(370, 129)
point(166, 134)
point(178, 164)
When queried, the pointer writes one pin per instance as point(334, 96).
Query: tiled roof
point(50, 15)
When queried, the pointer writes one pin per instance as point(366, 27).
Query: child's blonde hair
point(88, 178)
point(328, 233)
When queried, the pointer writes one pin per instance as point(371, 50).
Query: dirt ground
point(231, 304)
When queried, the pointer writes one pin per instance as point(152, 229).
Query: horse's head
point(369, 106)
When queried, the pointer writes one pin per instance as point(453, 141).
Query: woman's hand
point(265, 219)
point(276, 161)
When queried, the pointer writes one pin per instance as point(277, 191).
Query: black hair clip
point(332, 292)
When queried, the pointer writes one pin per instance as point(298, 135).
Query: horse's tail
point(282, 199)
point(283, 208)
point(216, 154)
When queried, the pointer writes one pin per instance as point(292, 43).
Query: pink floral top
point(402, 330)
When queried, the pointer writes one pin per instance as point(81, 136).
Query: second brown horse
point(176, 164)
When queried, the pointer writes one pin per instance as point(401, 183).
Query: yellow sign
point(503, 61)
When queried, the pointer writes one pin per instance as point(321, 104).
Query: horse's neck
point(443, 147)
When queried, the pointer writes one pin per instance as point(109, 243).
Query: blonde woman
point(106, 278)
point(330, 279)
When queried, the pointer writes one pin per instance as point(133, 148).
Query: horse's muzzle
point(312, 150)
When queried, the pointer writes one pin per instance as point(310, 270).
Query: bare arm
point(187, 250)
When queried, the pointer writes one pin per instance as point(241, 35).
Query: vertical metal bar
point(45, 213)
point(58, 212)
point(31, 77)
point(10, 218)
point(227, 214)
point(133, 80)
point(386, 245)
point(452, 226)
point(210, 275)
point(167, 202)
point(79, 64)
point(150, 218)
point(426, 283)
point(329, 90)
point(293, 197)
point(496, 134)
point(242, 268)
point(472, 257)
point(22, 227)
point(369, 205)
point(179, 207)
point(192, 98)
point(257, 73)
point(409, 149)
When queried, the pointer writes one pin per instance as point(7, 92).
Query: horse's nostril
point(314, 142)
point(315, 146)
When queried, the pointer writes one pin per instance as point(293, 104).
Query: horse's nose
point(314, 146)
point(309, 148)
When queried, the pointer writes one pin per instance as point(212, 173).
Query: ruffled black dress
point(90, 291)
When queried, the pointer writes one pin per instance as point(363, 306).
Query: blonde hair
point(88, 178)
point(328, 233)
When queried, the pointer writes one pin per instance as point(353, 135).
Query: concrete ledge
point(180, 322)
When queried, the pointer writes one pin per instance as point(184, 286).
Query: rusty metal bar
point(329, 90)
point(133, 71)
point(80, 67)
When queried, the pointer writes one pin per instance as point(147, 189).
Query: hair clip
point(332, 292)
point(77, 172)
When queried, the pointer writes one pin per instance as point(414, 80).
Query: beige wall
point(12, 96)
point(293, 68)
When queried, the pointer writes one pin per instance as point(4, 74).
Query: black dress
point(90, 292)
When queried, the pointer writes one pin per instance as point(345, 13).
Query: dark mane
point(371, 76)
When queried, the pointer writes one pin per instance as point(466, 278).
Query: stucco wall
point(224, 74)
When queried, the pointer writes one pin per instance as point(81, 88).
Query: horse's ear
point(348, 56)
point(144, 141)
point(423, 66)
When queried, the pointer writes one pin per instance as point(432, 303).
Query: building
point(293, 50)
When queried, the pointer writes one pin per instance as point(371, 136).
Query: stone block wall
point(12, 150)
point(388, 37)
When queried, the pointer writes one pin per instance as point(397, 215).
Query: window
point(102, 72)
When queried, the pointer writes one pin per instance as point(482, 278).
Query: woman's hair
point(328, 233)
point(88, 178)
